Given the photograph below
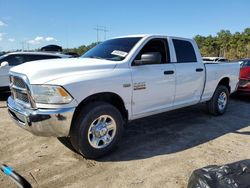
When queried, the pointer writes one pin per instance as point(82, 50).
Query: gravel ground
point(159, 151)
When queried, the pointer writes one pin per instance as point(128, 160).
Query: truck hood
point(42, 71)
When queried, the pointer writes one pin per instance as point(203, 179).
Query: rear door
point(190, 74)
point(153, 84)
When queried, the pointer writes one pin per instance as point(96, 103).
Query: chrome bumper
point(41, 122)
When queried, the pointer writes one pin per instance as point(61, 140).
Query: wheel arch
point(109, 97)
point(226, 82)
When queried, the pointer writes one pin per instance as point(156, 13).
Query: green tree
point(226, 44)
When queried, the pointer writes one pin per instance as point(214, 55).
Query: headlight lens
point(47, 94)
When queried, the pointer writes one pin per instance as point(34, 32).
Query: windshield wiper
point(95, 57)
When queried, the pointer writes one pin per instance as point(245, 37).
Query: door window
point(184, 51)
point(156, 45)
point(15, 60)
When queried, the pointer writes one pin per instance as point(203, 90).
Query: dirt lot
point(159, 151)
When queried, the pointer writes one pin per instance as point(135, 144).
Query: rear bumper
point(41, 122)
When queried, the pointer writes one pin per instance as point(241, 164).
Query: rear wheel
point(97, 130)
point(219, 102)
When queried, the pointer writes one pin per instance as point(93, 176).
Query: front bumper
point(244, 88)
point(41, 122)
point(245, 91)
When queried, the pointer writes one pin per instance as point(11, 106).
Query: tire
point(97, 130)
point(216, 106)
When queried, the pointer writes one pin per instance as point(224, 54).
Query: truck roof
point(151, 35)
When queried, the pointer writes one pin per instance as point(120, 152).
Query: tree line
point(225, 44)
point(81, 49)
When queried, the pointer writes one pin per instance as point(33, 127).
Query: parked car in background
point(214, 59)
point(10, 60)
point(2, 53)
point(89, 99)
point(73, 54)
point(52, 48)
point(244, 84)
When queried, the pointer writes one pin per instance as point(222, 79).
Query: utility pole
point(22, 43)
point(97, 33)
point(28, 46)
point(99, 28)
point(105, 32)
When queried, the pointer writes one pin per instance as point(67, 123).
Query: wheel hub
point(102, 131)
point(222, 101)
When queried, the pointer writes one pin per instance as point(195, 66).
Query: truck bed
point(217, 70)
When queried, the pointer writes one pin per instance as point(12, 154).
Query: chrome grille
point(22, 97)
point(19, 90)
point(19, 82)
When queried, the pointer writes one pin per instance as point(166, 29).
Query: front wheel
point(97, 130)
point(219, 102)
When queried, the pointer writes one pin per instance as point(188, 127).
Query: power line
point(22, 43)
point(99, 28)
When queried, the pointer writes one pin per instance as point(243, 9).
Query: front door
point(153, 84)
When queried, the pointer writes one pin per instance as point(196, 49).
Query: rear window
point(245, 64)
point(184, 51)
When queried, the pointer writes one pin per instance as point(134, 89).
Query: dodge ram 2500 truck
point(89, 99)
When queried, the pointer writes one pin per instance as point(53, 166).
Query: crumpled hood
point(40, 72)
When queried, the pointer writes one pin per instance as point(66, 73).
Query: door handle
point(168, 72)
point(199, 70)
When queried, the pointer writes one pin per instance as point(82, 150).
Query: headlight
point(47, 94)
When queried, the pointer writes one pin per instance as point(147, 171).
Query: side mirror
point(4, 64)
point(149, 58)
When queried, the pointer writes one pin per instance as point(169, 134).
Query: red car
point(244, 84)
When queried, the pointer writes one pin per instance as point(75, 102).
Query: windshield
point(241, 63)
point(114, 49)
point(244, 64)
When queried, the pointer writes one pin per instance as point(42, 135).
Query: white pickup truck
point(89, 99)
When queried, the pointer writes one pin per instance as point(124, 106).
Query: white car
point(89, 99)
point(10, 60)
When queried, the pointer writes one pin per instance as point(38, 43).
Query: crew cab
point(10, 60)
point(122, 79)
